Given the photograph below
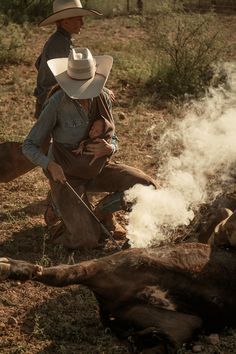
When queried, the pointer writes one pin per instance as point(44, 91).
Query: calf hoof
point(18, 270)
point(151, 341)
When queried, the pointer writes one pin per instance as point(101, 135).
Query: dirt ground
point(43, 320)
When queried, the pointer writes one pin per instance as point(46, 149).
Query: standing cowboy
point(68, 17)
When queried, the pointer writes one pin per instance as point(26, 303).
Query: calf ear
point(225, 232)
point(214, 218)
point(219, 236)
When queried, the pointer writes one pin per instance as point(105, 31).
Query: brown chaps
point(84, 230)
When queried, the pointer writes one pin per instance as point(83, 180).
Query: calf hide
point(13, 162)
point(163, 294)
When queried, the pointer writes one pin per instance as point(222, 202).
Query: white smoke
point(206, 143)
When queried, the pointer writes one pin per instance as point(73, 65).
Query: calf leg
point(59, 276)
point(174, 327)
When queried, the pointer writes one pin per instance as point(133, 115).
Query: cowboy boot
point(56, 228)
point(104, 212)
point(110, 222)
point(51, 214)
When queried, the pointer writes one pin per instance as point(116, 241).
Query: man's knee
point(129, 176)
point(139, 177)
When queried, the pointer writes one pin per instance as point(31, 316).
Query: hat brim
point(68, 13)
point(82, 89)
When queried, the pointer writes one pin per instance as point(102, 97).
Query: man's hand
point(99, 149)
point(56, 172)
point(79, 150)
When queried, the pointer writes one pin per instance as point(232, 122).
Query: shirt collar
point(64, 32)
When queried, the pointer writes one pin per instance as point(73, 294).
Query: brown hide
point(12, 161)
point(170, 291)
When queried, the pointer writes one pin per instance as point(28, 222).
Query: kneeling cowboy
point(67, 116)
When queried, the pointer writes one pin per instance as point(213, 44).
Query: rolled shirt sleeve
point(114, 139)
point(40, 132)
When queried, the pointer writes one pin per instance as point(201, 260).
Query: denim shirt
point(65, 121)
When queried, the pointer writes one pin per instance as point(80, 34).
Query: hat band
point(81, 73)
point(89, 70)
point(73, 78)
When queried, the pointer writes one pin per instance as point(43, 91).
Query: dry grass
point(35, 318)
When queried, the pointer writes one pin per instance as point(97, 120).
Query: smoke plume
point(199, 153)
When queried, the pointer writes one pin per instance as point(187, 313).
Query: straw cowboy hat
point(66, 9)
point(81, 75)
